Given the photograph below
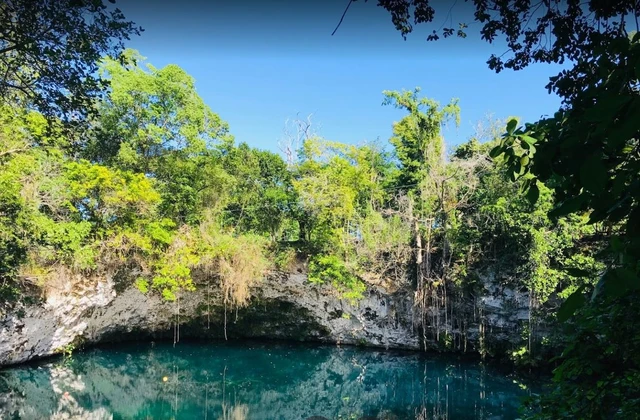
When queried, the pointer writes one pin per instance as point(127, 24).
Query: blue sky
point(258, 63)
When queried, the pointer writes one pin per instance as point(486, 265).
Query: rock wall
point(283, 306)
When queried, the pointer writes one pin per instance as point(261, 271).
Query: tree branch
point(11, 151)
point(342, 18)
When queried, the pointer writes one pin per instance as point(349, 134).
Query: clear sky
point(258, 63)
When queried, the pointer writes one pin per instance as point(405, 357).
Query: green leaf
point(597, 216)
point(568, 206)
point(572, 304)
point(615, 284)
point(633, 222)
point(616, 244)
point(496, 151)
point(528, 139)
point(532, 150)
point(524, 161)
point(533, 194)
point(622, 132)
point(593, 174)
point(511, 126)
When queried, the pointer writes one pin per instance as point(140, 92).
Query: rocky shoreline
point(283, 306)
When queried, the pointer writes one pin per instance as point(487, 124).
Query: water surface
point(249, 380)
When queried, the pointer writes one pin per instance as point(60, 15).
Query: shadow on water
point(250, 380)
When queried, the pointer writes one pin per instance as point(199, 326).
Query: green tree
point(420, 148)
point(261, 192)
point(336, 183)
point(49, 52)
point(154, 122)
point(417, 137)
point(150, 112)
point(587, 152)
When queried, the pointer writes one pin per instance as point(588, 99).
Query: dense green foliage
point(157, 193)
point(587, 154)
point(153, 190)
point(49, 51)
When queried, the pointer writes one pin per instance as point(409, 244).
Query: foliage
point(284, 258)
point(553, 31)
point(158, 193)
point(49, 51)
point(153, 188)
point(341, 195)
point(261, 194)
point(416, 138)
point(330, 269)
point(596, 384)
point(587, 153)
point(150, 112)
point(239, 261)
point(599, 178)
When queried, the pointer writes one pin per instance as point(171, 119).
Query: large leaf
point(572, 304)
point(621, 133)
point(593, 174)
point(528, 139)
point(628, 278)
point(577, 272)
point(496, 151)
point(568, 206)
point(619, 282)
point(511, 126)
point(533, 194)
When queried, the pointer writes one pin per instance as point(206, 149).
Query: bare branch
point(342, 18)
point(12, 151)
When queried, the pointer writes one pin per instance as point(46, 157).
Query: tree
point(261, 192)
point(49, 52)
point(150, 112)
point(551, 31)
point(337, 184)
point(417, 137)
point(153, 121)
point(588, 153)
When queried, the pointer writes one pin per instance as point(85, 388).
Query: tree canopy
point(587, 153)
point(49, 52)
point(154, 191)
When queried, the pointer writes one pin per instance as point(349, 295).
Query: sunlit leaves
point(106, 196)
point(330, 269)
point(417, 136)
point(149, 113)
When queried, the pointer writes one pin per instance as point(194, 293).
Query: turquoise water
point(249, 380)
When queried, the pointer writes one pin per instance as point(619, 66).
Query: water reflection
point(240, 381)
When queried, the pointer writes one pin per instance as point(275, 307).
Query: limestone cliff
point(283, 306)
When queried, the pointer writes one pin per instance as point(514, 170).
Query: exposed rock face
point(283, 306)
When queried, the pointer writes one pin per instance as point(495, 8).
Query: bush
point(329, 268)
